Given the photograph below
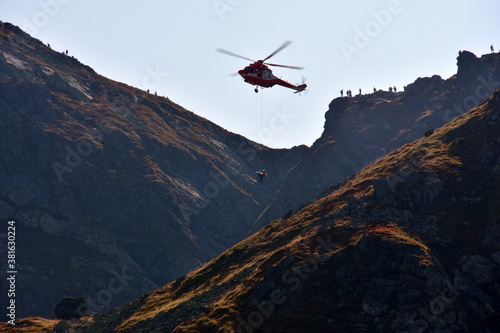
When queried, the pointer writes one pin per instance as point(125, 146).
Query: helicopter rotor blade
point(292, 67)
point(285, 44)
point(233, 54)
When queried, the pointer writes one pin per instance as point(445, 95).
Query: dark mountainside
point(409, 244)
point(116, 191)
point(362, 129)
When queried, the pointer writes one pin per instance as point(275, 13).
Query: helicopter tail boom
point(300, 88)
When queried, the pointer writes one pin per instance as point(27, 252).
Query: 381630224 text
point(11, 272)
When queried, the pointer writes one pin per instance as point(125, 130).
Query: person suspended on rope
point(262, 174)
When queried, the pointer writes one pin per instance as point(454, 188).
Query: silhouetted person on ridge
point(342, 93)
point(394, 88)
point(492, 48)
point(390, 89)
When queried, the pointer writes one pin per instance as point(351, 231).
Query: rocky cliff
point(408, 244)
point(361, 129)
point(116, 191)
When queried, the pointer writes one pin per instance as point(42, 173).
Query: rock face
point(115, 191)
point(71, 308)
point(360, 130)
point(408, 244)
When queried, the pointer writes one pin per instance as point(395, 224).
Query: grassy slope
point(212, 298)
point(242, 268)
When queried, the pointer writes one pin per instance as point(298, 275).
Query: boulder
point(70, 307)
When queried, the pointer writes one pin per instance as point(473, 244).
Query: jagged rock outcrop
point(71, 308)
point(360, 130)
point(468, 65)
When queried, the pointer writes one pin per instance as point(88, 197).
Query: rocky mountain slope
point(361, 129)
point(116, 191)
point(409, 244)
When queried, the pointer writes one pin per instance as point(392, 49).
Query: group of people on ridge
point(349, 92)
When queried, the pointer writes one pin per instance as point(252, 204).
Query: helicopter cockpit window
point(249, 69)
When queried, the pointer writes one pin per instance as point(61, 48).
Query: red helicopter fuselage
point(259, 74)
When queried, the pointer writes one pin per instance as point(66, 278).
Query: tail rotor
point(301, 88)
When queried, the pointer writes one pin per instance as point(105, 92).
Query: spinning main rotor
point(262, 62)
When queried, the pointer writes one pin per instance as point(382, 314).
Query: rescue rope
point(261, 112)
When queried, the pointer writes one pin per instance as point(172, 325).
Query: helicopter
point(259, 74)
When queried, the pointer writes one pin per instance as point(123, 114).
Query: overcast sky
point(168, 46)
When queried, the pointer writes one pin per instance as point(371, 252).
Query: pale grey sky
point(168, 46)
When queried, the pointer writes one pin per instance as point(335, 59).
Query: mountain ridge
point(361, 129)
point(112, 183)
point(379, 253)
point(81, 154)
